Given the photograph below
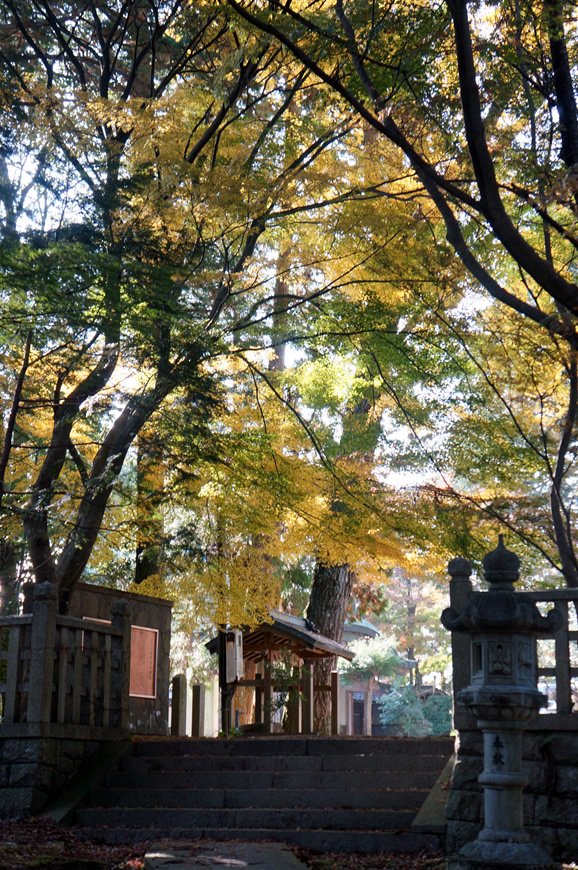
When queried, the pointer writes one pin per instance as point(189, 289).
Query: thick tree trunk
point(8, 575)
point(150, 493)
point(330, 595)
point(560, 513)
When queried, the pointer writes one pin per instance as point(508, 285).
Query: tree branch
point(11, 423)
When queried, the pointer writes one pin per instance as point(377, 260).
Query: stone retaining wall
point(550, 760)
point(34, 768)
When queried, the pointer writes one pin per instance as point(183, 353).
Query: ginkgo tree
point(491, 427)
point(183, 198)
point(479, 100)
point(143, 159)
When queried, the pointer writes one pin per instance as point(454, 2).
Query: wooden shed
point(278, 657)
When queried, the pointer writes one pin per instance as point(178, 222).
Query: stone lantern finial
point(501, 567)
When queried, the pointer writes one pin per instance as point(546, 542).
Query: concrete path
point(203, 854)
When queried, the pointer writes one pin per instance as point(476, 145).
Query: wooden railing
point(300, 692)
point(59, 670)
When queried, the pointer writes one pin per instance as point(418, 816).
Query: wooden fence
point(60, 670)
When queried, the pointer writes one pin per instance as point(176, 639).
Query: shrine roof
point(287, 632)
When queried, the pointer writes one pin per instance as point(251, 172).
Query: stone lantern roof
point(501, 608)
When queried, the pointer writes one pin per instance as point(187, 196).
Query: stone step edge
point(186, 764)
point(256, 747)
point(284, 780)
point(395, 840)
point(248, 790)
point(320, 813)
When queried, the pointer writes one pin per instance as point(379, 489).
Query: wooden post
point(335, 702)
point(42, 652)
point(93, 701)
point(62, 667)
point(307, 704)
point(198, 724)
point(121, 619)
point(268, 691)
point(294, 703)
point(179, 706)
point(259, 696)
point(367, 709)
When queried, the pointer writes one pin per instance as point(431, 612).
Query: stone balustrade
point(64, 671)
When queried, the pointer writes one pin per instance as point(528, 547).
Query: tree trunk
point(368, 707)
point(560, 512)
point(330, 595)
point(8, 575)
point(150, 493)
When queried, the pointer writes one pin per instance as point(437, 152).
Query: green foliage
point(148, 186)
point(180, 201)
point(375, 658)
point(402, 713)
point(190, 656)
point(479, 364)
point(416, 600)
point(437, 709)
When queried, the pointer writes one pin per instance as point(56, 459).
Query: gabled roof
point(287, 632)
point(355, 630)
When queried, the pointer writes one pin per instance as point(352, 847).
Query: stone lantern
point(503, 696)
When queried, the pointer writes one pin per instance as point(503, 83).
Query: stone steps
point(337, 794)
point(339, 779)
point(298, 765)
point(217, 798)
point(281, 819)
point(368, 842)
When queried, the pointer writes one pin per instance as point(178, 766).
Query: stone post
point(121, 619)
point(460, 590)
point(502, 695)
point(42, 646)
point(179, 706)
point(198, 723)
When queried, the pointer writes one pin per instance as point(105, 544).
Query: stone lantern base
point(481, 855)
point(466, 864)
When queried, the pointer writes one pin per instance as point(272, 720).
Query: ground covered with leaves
point(40, 844)
point(405, 861)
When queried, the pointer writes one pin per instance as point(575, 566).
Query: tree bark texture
point(150, 492)
point(330, 596)
point(8, 574)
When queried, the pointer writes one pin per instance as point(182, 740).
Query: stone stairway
point(327, 794)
